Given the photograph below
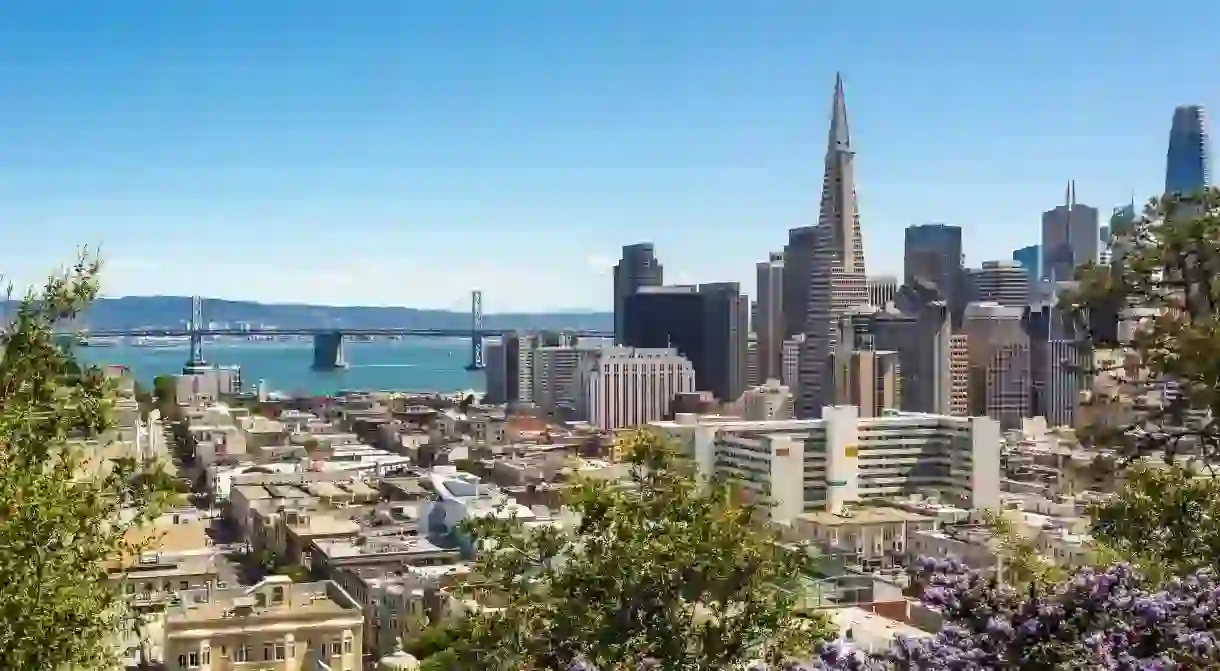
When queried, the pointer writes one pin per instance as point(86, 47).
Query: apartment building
point(276, 625)
point(825, 464)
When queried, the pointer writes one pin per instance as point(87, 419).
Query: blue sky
point(379, 152)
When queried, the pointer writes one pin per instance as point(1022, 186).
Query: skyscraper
point(1003, 282)
point(1030, 258)
point(639, 267)
point(932, 255)
point(768, 321)
point(1188, 160)
point(1070, 237)
point(837, 279)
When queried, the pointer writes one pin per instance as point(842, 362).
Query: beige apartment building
point(276, 625)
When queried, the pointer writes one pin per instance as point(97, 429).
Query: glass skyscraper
point(1188, 161)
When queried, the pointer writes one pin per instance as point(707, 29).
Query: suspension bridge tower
point(196, 363)
point(476, 331)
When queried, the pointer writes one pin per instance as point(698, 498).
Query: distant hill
point(131, 312)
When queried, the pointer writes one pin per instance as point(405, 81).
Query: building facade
point(1070, 235)
point(638, 267)
point(837, 278)
point(1188, 158)
point(1003, 282)
point(628, 387)
point(932, 256)
point(768, 322)
point(882, 289)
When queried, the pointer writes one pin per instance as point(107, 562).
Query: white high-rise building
point(837, 279)
point(631, 387)
point(812, 465)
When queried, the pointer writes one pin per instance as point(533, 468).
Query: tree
point(667, 568)
point(1166, 520)
point(1165, 282)
point(60, 525)
point(1097, 619)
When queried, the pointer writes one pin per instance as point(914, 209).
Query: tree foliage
point(1097, 619)
point(1164, 285)
point(58, 530)
point(666, 569)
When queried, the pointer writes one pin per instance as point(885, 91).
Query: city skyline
point(356, 158)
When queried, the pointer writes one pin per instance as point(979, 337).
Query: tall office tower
point(1008, 390)
point(882, 289)
point(1030, 259)
point(560, 373)
point(790, 361)
point(1188, 160)
point(752, 375)
point(706, 324)
point(630, 387)
point(726, 334)
point(837, 278)
point(932, 256)
point(989, 327)
point(639, 267)
point(924, 342)
point(769, 319)
point(1059, 361)
point(959, 373)
point(1003, 282)
point(1105, 240)
point(798, 268)
point(1069, 237)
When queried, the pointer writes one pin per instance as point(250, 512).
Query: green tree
point(1166, 520)
point(60, 524)
point(1164, 283)
point(665, 567)
point(1021, 563)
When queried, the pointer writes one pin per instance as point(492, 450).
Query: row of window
point(276, 651)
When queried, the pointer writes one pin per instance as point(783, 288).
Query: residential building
point(837, 278)
point(559, 379)
point(637, 268)
point(630, 387)
point(1188, 158)
point(277, 625)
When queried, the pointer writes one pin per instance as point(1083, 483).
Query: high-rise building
point(752, 376)
point(932, 256)
point(1059, 363)
point(560, 374)
point(768, 321)
point(1188, 159)
point(790, 360)
point(705, 324)
point(798, 266)
point(1030, 259)
point(959, 374)
point(630, 387)
point(837, 277)
point(1008, 391)
point(882, 289)
point(639, 267)
point(871, 380)
point(1003, 282)
point(726, 313)
point(1069, 237)
point(988, 327)
point(924, 342)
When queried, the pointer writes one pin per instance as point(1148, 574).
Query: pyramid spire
point(840, 134)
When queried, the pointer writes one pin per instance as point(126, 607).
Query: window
point(336, 649)
point(184, 585)
point(347, 643)
point(280, 653)
point(207, 656)
point(242, 654)
point(267, 652)
point(181, 661)
point(193, 660)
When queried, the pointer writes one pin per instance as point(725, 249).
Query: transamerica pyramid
point(837, 278)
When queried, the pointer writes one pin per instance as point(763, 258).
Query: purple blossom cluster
point(1097, 619)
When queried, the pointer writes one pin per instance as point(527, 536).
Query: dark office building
point(798, 271)
point(706, 324)
point(639, 267)
point(932, 256)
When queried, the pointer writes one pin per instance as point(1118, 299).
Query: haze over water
point(434, 364)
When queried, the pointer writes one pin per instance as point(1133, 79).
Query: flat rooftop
point(865, 515)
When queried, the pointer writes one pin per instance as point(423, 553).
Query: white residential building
point(630, 387)
point(823, 464)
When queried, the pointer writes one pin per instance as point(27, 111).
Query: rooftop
point(275, 596)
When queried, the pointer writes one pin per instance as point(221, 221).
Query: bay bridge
point(327, 341)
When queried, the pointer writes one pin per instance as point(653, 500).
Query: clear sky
point(405, 152)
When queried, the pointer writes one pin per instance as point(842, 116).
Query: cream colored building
point(876, 535)
point(770, 400)
point(276, 625)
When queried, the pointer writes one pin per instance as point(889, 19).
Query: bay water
point(419, 364)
